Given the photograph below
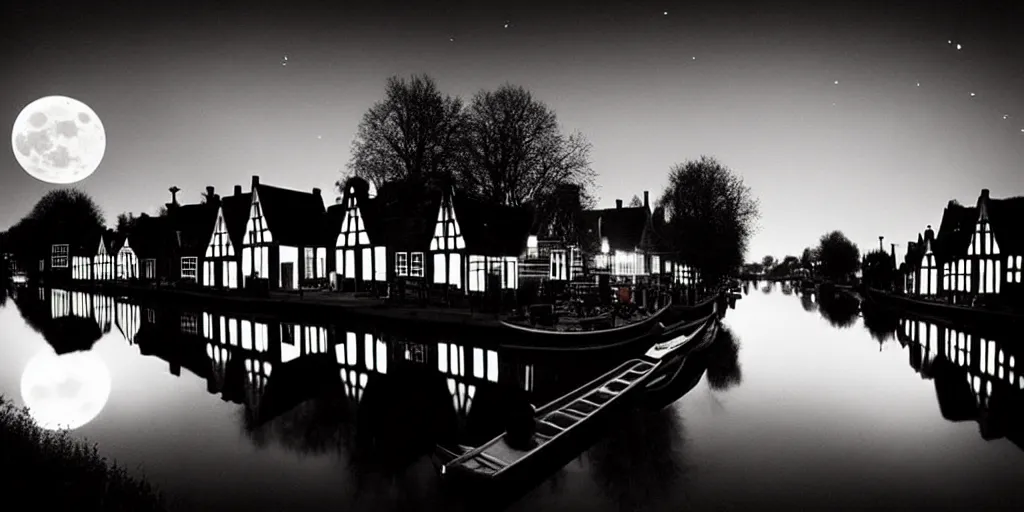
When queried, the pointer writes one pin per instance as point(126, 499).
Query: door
point(287, 271)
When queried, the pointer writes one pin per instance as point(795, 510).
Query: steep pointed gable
point(983, 241)
point(256, 229)
point(353, 231)
point(447, 232)
point(220, 245)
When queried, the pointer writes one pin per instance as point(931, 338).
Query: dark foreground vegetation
point(51, 470)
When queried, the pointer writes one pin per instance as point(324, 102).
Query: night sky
point(852, 115)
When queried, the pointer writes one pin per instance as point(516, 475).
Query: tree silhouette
point(839, 256)
point(879, 270)
point(64, 213)
point(414, 133)
point(516, 152)
point(636, 202)
point(713, 217)
point(768, 262)
point(125, 222)
point(559, 214)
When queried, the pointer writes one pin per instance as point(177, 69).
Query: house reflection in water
point(975, 375)
point(240, 356)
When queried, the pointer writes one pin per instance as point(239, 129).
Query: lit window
point(189, 266)
point(59, 256)
point(416, 264)
point(401, 264)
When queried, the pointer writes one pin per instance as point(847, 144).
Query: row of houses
point(977, 253)
point(364, 242)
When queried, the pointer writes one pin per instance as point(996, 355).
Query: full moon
point(57, 139)
point(66, 391)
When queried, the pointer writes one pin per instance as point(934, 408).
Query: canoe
point(950, 312)
point(563, 425)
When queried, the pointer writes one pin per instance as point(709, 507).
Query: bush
point(58, 472)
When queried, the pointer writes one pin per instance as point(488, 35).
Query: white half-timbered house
point(982, 248)
point(283, 240)
point(222, 263)
point(360, 251)
point(476, 245)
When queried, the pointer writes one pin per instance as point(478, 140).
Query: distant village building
point(977, 253)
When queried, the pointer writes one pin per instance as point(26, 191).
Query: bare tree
point(414, 133)
point(516, 151)
point(713, 217)
point(636, 202)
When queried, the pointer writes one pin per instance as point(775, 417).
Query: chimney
point(174, 197)
point(255, 181)
point(984, 193)
point(238, 190)
point(647, 203)
point(618, 204)
point(316, 191)
point(929, 234)
point(209, 192)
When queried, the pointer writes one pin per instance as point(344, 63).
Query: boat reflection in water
point(975, 372)
point(378, 402)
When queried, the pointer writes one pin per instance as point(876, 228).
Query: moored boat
point(512, 460)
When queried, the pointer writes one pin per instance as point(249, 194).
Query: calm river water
point(804, 401)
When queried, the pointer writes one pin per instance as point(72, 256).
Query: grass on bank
point(50, 469)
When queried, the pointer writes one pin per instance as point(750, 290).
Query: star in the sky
point(507, 24)
point(959, 47)
point(694, 58)
point(451, 39)
point(318, 137)
point(664, 13)
point(972, 94)
point(835, 82)
point(1006, 116)
point(919, 84)
point(285, 61)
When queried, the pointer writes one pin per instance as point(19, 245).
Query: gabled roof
point(623, 227)
point(1007, 219)
point(295, 218)
point(490, 229)
point(955, 231)
point(236, 215)
point(358, 189)
point(194, 223)
point(107, 239)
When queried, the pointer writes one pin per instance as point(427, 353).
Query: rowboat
point(561, 426)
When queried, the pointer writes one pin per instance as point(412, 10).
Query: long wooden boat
point(958, 314)
point(639, 333)
point(572, 338)
point(561, 425)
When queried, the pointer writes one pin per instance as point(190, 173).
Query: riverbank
point(53, 471)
